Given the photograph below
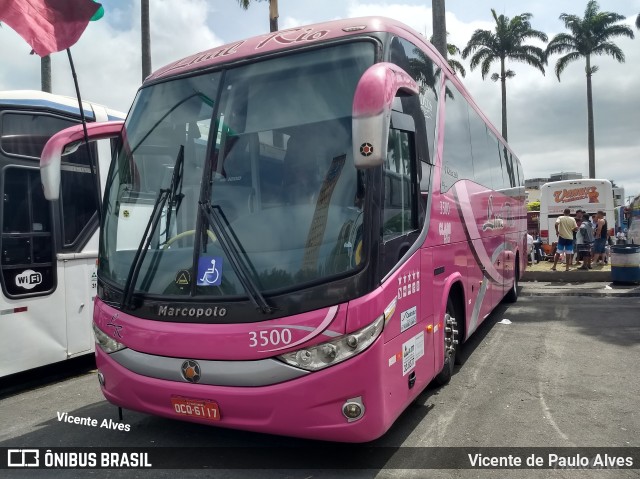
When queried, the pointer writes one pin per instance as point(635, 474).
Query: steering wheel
point(184, 234)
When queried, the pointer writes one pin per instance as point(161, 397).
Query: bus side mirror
point(66, 142)
point(371, 116)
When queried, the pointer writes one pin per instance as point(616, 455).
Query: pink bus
point(299, 232)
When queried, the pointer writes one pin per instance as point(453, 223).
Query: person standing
point(579, 215)
point(600, 239)
point(530, 252)
point(565, 226)
point(585, 238)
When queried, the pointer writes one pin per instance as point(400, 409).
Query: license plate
point(196, 408)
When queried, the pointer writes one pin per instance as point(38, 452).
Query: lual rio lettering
point(222, 52)
point(498, 218)
point(294, 35)
point(286, 37)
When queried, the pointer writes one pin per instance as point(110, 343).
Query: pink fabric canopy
point(48, 25)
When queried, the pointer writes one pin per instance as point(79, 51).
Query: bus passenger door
point(32, 305)
point(79, 244)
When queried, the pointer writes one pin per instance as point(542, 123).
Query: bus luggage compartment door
point(80, 287)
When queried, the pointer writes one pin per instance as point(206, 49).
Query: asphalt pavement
point(579, 288)
point(550, 371)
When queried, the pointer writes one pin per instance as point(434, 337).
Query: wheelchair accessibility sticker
point(209, 271)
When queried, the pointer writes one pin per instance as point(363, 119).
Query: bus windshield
point(265, 147)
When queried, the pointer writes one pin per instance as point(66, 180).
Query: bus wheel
point(512, 294)
point(450, 344)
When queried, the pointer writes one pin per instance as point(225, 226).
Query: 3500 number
point(274, 337)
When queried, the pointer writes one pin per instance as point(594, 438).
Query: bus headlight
point(106, 342)
point(335, 351)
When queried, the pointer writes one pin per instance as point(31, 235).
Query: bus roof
point(305, 35)
point(577, 182)
point(588, 193)
point(40, 99)
point(282, 40)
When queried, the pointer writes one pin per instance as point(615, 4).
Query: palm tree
point(455, 65)
point(45, 74)
point(439, 38)
point(589, 36)
point(146, 39)
point(452, 50)
point(273, 12)
point(507, 42)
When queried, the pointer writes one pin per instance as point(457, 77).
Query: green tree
point(506, 42)
point(533, 206)
point(638, 21)
point(273, 12)
point(589, 36)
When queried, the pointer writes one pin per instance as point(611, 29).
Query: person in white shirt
point(565, 226)
point(530, 251)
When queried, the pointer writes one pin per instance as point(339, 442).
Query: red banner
point(48, 25)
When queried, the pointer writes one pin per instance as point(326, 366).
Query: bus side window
point(399, 214)
point(26, 242)
point(24, 135)
point(456, 163)
point(78, 194)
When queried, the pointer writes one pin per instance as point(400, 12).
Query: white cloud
point(107, 56)
point(547, 118)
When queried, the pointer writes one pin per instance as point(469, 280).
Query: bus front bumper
point(310, 406)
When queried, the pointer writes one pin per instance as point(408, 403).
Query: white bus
point(589, 195)
point(48, 249)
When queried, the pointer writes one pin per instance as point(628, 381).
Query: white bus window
point(25, 134)
point(79, 198)
point(79, 204)
point(26, 243)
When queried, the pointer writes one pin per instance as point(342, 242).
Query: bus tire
point(512, 294)
point(450, 334)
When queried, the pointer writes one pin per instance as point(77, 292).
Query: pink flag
point(48, 25)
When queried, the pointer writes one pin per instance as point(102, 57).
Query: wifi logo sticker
point(28, 279)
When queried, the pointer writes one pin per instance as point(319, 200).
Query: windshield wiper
point(164, 196)
point(243, 271)
point(152, 224)
point(175, 189)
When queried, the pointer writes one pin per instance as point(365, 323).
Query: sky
point(547, 118)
